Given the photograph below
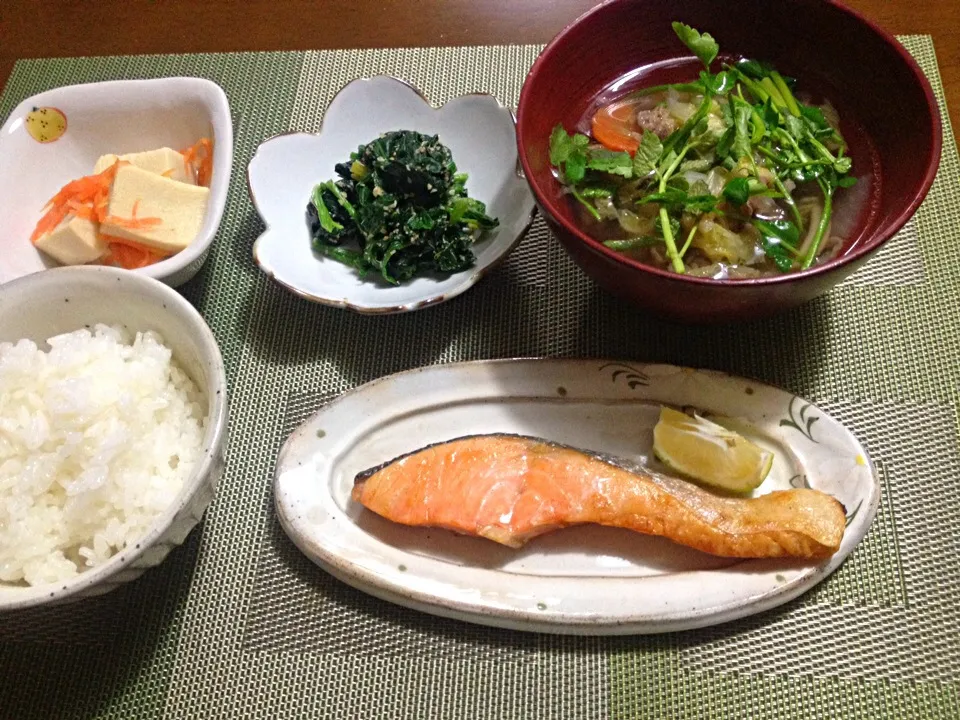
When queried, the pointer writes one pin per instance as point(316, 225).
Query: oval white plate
point(585, 580)
point(481, 135)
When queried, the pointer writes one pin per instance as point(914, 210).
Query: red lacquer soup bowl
point(889, 118)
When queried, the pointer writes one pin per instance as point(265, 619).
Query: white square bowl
point(118, 116)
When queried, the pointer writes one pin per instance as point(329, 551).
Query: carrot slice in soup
point(615, 127)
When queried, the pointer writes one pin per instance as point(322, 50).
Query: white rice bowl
point(97, 437)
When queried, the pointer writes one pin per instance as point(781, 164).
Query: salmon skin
point(511, 488)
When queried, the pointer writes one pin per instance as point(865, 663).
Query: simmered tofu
point(140, 194)
point(163, 161)
point(75, 241)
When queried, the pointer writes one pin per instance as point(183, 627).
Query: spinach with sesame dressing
point(399, 208)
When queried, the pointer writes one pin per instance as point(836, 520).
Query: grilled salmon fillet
point(511, 488)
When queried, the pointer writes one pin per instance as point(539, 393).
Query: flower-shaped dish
point(480, 133)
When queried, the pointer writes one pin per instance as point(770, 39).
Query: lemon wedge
point(709, 453)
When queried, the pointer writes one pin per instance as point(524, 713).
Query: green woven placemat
point(237, 623)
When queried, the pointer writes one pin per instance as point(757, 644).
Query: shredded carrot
point(86, 212)
point(129, 254)
point(100, 207)
point(131, 223)
point(126, 257)
point(199, 160)
point(82, 197)
point(88, 197)
point(136, 245)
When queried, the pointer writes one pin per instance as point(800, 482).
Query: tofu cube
point(163, 161)
point(180, 207)
point(75, 241)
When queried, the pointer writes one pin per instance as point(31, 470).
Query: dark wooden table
point(111, 27)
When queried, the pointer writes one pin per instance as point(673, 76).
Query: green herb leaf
point(769, 114)
point(703, 46)
point(349, 257)
point(609, 161)
point(667, 160)
point(471, 212)
point(808, 172)
point(794, 126)
point(327, 222)
point(843, 165)
point(719, 84)
point(678, 138)
point(671, 196)
point(725, 143)
point(677, 200)
point(758, 125)
point(698, 204)
point(560, 146)
point(703, 135)
point(698, 164)
point(783, 230)
point(779, 239)
point(648, 154)
point(575, 167)
point(815, 117)
point(459, 208)
point(754, 68)
point(699, 187)
point(742, 146)
point(737, 191)
point(590, 207)
point(423, 221)
point(674, 226)
point(778, 253)
point(568, 154)
point(818, 124)
point(848, 181)
point(726, 113)
point(785, 93)
point(597, 191)
point(634, 243)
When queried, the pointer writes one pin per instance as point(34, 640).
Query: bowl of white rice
point(113, 414)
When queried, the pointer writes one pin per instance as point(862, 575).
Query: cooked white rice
point(97, 436)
